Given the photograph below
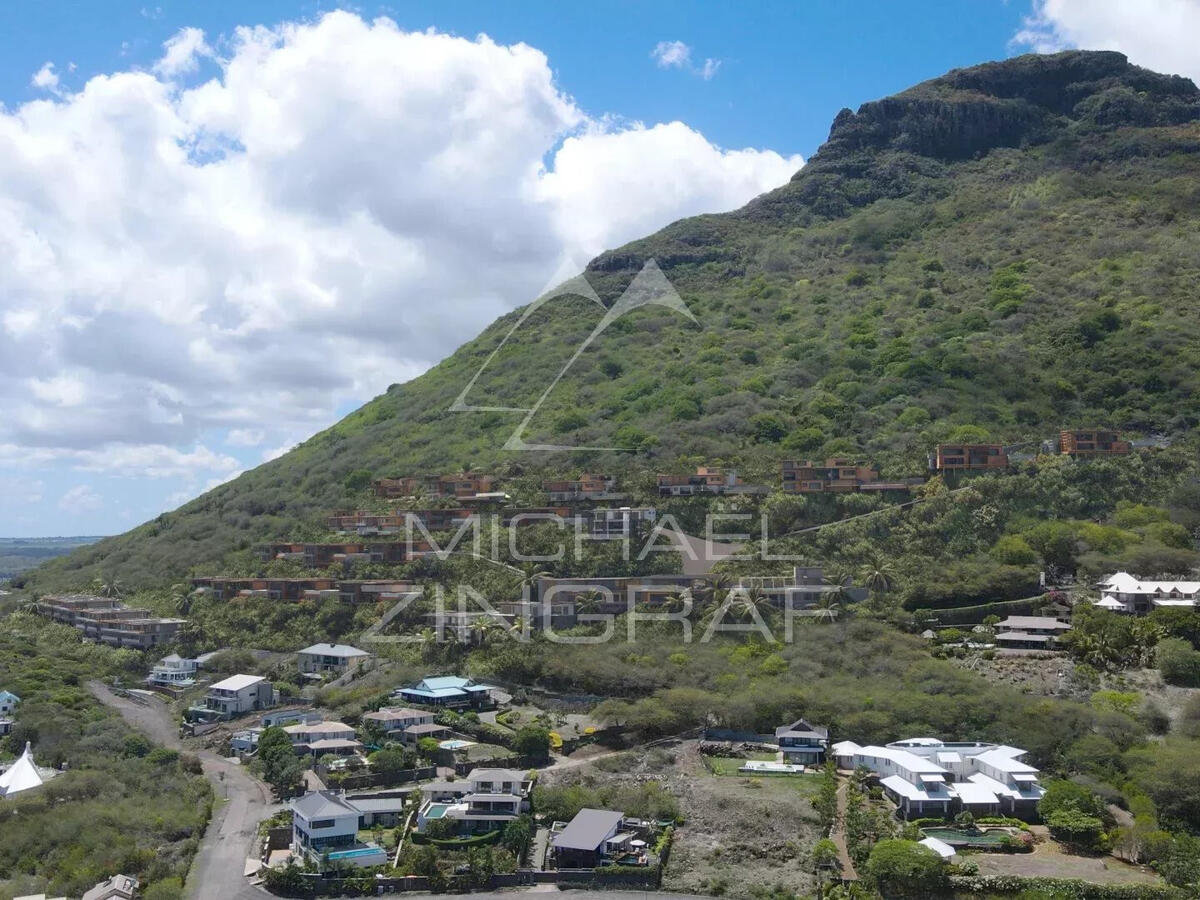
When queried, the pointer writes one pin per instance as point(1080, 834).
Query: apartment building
point(1091, 442)
point(706, 480)
point(335, 659)
point(293, 590)
point(466, 485)
point(960, 457)
point(834, 476)
point(621, 521)
point(589, 486)
point(110, 621)
point(321, 556)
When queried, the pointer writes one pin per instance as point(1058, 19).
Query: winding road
point(241, 803)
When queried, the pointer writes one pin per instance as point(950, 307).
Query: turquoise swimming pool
point(354, 853)
point(436, 810)
point(454, 744)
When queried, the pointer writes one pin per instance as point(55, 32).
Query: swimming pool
point(436, 810)
point(355, 852)
point(455, 744)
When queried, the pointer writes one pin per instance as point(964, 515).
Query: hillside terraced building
point(321, 556)
point(110, 621)
point(589, 486)
point(834, 476)
point(706, 480)
point(463, 486)
point(960, 457)
point(1092, 442)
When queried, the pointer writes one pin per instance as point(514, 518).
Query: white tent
point(21, 775)
point(941, 848)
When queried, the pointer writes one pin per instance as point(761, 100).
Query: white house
point(1127, 593)
point(319, 738)
point(330, 658)
point(486, 800)
point(325, 825)
point(398, 718)
point(8, 703)
point(173, 671)
point(238, 694)
point(119, 887)
point(928, 777)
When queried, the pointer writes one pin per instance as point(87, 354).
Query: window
point(321, 823)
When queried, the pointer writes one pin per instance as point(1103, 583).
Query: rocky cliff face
point(1026, 100)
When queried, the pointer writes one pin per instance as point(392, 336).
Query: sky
point(223, 226)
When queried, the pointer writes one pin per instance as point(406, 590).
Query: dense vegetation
point(998, 252)
point(123, 805)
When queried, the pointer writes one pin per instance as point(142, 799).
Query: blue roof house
point(8, 702)
point(448, 691)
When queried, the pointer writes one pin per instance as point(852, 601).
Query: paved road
point(242, 802)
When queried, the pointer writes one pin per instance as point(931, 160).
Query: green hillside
point(999, 252)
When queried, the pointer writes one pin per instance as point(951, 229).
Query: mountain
point(999, 252)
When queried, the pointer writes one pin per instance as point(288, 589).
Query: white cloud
point(339, 207)
point(45, 78)
point(678, 55)
point(79, 500)
point(672, 54)
point(183, 52)
point(246, 437)
point(1157, 34)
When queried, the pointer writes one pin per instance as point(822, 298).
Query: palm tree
point(752, 603)
point(879, 575)
point(182, 598)
point(110, 587)
point(829, 604)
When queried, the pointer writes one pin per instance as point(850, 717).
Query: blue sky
point(220, 241)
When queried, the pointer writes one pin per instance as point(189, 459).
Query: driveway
point(241, 802)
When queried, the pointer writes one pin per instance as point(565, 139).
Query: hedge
point(966, 886)
point(477, 840)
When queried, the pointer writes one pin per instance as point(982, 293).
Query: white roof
point(903, 758)
point(845, 748)
point(319, 728)
point(1005, 759)
point(1030, 792)
point(1160, 601)
point(1124, 583)
point(343, 650)
point(973, 793)
point(941, 848)
point(236, 683)
point(907, 789)
point(1109, 603)
point(21, 775)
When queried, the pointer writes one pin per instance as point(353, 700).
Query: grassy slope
point(1008, 247)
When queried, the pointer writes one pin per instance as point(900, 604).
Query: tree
point(532, 740)
point(1178, 662)
point(1072, 826)
point(825, 857)
point(906, 869)
point(517, 836)
point(389, 763)
point(278, 763)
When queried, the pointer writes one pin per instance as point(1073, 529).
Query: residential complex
point(109, 621)
point(926, 777)
point(834, 476)
point(336, 659)
point(706, 480)
point(486, 800)
point(467, 485)
point(296, 589)
point(959, 457)
point(321, 556)
point(589, 486)
point(1092, 442)
point(620, 522)
point(1127, 593)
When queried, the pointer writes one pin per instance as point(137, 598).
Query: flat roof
point(236, 683)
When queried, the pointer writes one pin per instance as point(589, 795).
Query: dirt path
point(838, 835)
point(241, 802)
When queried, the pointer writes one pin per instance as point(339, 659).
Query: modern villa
point(325, 825)
point(802, 743)
point(1127, 593)
point(927, 777)
point(486, 800)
